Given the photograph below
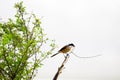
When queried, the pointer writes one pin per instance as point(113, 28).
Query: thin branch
point(4, 73)
point(46, 55)
point(18, 67)
point(61, 68)
point(34, 67)
point(7, 63)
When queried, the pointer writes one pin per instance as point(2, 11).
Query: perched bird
point(65, 49)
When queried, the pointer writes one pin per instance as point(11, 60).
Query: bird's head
point(72, 45)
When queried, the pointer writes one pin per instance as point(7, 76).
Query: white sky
point(92, 25)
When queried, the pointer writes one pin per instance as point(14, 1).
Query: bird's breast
point(65, 50)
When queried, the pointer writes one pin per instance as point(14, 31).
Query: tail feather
point(54, 54)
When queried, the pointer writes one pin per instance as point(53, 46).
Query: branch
point(4, 73)
point(34, 67)
point(7, 64)
point(61, 68)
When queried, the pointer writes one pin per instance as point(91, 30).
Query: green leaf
point(22, 46)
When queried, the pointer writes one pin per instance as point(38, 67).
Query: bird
point(67, 48)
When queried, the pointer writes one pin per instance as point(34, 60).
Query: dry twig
point(61, 68)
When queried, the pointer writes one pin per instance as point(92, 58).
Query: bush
point(21, 40)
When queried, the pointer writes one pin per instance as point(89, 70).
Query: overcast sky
point(92, 25)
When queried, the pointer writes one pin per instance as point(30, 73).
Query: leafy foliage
point(21, 46)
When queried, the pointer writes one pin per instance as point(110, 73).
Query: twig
point(61, 68)
point(7, 63)
point(4, 73)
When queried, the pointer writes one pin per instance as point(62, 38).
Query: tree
point(21, 46)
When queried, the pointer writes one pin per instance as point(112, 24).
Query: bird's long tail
point(86, 57)
point(54, 54)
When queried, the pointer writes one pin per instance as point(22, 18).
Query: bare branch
point(61, 68)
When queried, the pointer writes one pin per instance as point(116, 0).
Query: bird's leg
point(67, 55)
point(64, 55)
